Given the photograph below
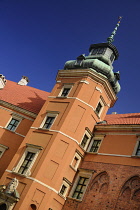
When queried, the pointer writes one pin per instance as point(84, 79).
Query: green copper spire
point(111, 38)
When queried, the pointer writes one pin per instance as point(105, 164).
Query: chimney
point(114, 112)
point(2, 81)
point(23, 81)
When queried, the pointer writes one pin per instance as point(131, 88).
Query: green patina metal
point(110, 39)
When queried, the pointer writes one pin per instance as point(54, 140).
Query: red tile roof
point(128, 119)
point(28, 98)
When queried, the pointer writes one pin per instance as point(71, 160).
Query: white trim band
point(36, 180)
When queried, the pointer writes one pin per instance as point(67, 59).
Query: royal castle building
point(61, 150)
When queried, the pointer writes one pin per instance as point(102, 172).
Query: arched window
point(3, 206)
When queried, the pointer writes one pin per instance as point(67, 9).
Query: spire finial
point(111, 38)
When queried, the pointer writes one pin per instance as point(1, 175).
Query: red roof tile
point(25, 97)
point(129, 119)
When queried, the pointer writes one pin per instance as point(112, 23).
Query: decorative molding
point(11, 106)
point(36, 180)
point(84, 81)
point(95, 77)
point(98, 89)
point(13, 132)
point(106, 154)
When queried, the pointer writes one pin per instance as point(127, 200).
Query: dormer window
point(80, 60)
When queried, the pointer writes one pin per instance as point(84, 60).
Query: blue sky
point(38, 36)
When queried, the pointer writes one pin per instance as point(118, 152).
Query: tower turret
point(101, 57)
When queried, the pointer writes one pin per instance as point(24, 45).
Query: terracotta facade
point(60, 150)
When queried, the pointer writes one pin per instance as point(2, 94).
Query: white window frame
point(49, 114)
point(78, 156)
point(65, 86)
point(102, 104)
point(136, 147)
point(30, 148)
point(87, 143)
point(16, 117)
point(2, 149)
point(99, 137)
point(67, 184)
point(85, 174)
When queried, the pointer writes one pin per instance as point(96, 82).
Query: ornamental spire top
point(110, 39)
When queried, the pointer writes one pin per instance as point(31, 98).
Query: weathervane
point(111, 38)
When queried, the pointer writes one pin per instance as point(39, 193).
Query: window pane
point(13, 124)
point(95, 146)
point(26, 163)
point(65, 92)
point(84, 141)
point(138, 150)
point(80, 188)
point(98, 108)
point(49, 122)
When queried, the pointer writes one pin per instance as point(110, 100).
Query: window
point(86, 139)
point(76, 160)
point(112, 57)
point(2, 149)
point(99, 108)
point(96, 143)
point(26, 163)
point(49, 120)
point(80, 188)
point(13, 124)
point(27, 160)
point(138, 149)
point(95, 146)
point(65, 90)
point(64, 187)
point(100, 50)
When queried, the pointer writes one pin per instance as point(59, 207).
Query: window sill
point(44, 129)
point(135, 156)
point(62, 196)
point(74, 169)
point(94, 153)
point(61, 97)
point(9, 130)
point(23, 175)
point(74, 199)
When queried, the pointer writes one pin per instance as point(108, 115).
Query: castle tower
point(48, 158)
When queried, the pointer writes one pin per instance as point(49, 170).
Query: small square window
point(64, 188)
point(48, 123)
point(85, 141)
point(65, 90)
point(76, 161)
point(48, 120)
point(13, 124)
point(99, 108)
point(2, 149)
point(95, 146)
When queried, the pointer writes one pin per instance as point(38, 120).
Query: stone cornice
point(13, 107)
point(92, 74)
point(119, 128)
